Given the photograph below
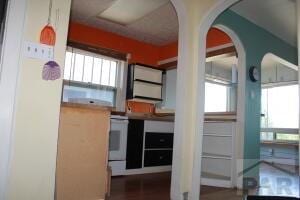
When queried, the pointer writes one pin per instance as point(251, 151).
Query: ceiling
point(276, 16)
point(158, 27)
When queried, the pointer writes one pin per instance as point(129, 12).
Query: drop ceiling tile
point(159, 27)
point(84, 9)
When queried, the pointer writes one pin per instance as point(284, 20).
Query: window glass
point(68, 64)
point(280, 107)
point(97, 70)
point(216, 97)
point(267, 136)
point(89, 68)
point(287, 137)
point(105, 72)
point(90, 77)
point(78, 67)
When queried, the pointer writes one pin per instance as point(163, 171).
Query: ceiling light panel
point(127, 11)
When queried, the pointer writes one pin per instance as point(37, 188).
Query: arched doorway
point(252, 93)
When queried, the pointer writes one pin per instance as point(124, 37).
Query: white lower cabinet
point(218, 157)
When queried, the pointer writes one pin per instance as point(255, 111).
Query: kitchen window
point(90, 77)
point(217, 97)
point(280, 107)
point(280, 115)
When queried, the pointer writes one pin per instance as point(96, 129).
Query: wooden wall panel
point(82, 154)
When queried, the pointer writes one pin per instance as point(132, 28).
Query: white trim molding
point(298, 34)
point(204, 26)
point(13, 37)
point(219, 47)
point(161, 62)
point(281, 61)
point(179, 129)
point(223, 46)
point(241, 101)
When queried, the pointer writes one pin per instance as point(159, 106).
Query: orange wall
point(140, 52)
point(215, 37)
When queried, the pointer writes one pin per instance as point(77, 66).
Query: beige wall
point(33, 160)
point(35, 138)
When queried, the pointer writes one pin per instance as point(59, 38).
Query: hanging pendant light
point(48, 35)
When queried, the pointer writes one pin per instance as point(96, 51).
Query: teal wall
point(257, 43)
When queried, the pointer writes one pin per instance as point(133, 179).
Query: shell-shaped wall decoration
point(51, 71)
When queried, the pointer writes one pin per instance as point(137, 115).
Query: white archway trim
point(176, 193)
point(8, 84)
point(204, 26)
point(298, 35)
point(241, 102)
point(281, 61)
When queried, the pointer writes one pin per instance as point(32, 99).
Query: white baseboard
point(148, 170)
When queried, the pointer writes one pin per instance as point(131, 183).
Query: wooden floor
point(157, 186)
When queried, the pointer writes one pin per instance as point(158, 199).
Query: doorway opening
point(116, 62)
point(241, 9)
point(279, 134)
point(222, 134)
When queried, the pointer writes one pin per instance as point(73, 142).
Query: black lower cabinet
point(157, 158)
point(134, 154)
point(158, 140)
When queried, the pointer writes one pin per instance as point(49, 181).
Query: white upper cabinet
point(144, 84)
point(147, 74)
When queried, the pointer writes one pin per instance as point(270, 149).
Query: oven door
point(118, 139)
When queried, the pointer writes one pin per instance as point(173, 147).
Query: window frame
point(275, 131)
point(94, 55)
point(120, 78)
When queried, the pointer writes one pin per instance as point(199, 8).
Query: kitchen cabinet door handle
point(161, 140)
point(161, 157)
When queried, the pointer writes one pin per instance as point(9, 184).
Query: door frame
point(204, 26)
point(9, 70)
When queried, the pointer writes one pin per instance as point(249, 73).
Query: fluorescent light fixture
point(125, 12)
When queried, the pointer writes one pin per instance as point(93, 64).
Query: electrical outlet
point(39, 51)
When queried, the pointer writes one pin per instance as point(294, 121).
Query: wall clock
point(254, 74)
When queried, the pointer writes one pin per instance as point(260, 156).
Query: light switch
point(38, 51)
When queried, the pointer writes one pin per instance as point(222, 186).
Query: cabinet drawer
point(147, 74)
point(159, 140)
point(159, 126)
point(157, 158)
point(147, 90)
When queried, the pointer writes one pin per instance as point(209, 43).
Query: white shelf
point(216, 135)
point(216, 156)
point(215, 180)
